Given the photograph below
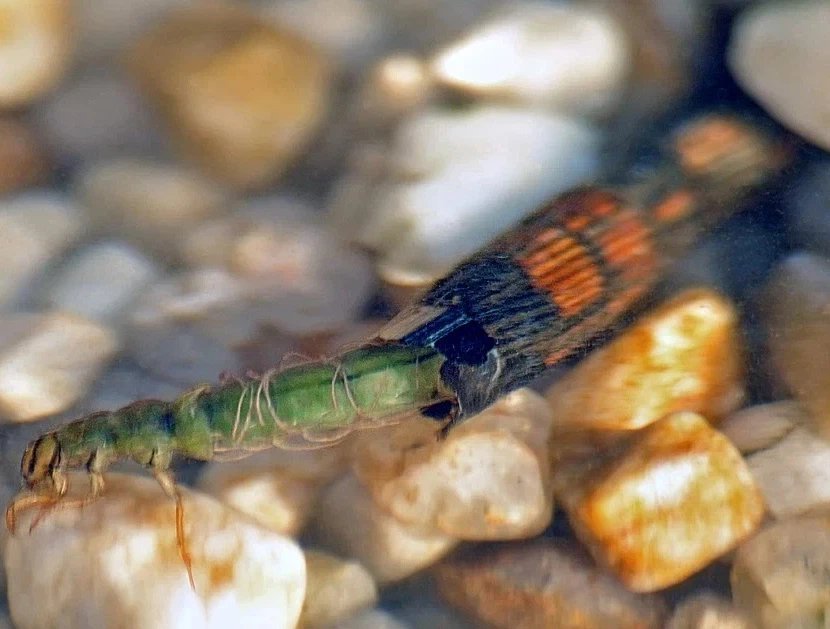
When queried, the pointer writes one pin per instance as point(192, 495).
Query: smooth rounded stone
point(572, 58)
point(780, 576)
point(23, 161)
point(542, 583)
point(348, 522)
point(35, 50)
point(488, 480)
point(150, 204)
point(795, 307)
point(372, 619)
point(776, 52)
point(239, 97)
point(96, 115)
point(794, 473)
point(36, 228)
point(708, 611)
point(48, 361)
point(100, 281)
point(762, 426)
point(336, 589)
point(684, 355)
point(658, 504)
point(350, 31)
point(277, 488)
point(124, 564)
point(397, 84)
point(461, 178)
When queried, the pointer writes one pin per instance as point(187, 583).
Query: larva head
point(40, 460)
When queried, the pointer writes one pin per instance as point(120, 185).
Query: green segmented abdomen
point(309, 404)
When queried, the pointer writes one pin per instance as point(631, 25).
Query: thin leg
point(57, 504)
point(169, 486)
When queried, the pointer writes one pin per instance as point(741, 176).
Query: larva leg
point(96, 487)
point(165, 479)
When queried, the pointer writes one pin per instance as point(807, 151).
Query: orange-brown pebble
point(540, 584)
point(685, 355)
point(240, 97)
point(658, 504)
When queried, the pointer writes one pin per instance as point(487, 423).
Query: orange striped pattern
point(709, 141)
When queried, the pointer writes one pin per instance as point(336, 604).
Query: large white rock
point(779, 54)
point(459, 178)
point(572, 57)
point(115, 563)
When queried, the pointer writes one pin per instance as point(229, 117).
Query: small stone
point(771, 46)
point(684, 355)
point(796, 310)
point(240, 98)
point(47, 362)
point(147, 203)
point(372, 619)
point(124, 564)
point(35, 49)
point(793, 474)
point(660, 503)
point(100, 281)
point(543, 583)
point(488, 480)
point(762, 426)
point(449, 159)
point(349, 523)
point(23, 161)
point(96, 115)
point(36, 227)
point(396, 85)
point(806, 208)
point(708, 611)
point(335, 590)
point(569, 57)
point(780, 576)
point(276, 488)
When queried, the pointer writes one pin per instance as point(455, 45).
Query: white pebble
point(571, 57)
point(779, 54)
point(336, 590)
point(100, 281)
point(116, 561)
point(47, 362)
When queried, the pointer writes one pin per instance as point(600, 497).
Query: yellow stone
point(683, 356)
point(658, 504)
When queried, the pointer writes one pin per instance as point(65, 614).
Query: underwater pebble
point(571, 58)
point(806, 208)
point(761, 426)
point(460, 178)
point(793, 474)
point(23, 160)
point(96, 115)
point(48, 361)
point(707, 611)
point(35, 50)
point(684, 355)
point(100, 281)
point(242, 107)
point(278, 488)
point(147, 203)
point(660, 503)
point(36, 227)
point(372, 619)
point(488, 480)
point(776, 53)
point(543, 583)
point(335, 590)
point(795, 307)
point(780, 577)
point(245, 576)
point(349, 523)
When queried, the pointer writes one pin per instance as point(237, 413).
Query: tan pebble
point(779, 578)
point(762, 426)
point(349, 523)
point(658, 504)
point(240, 97)
point(489, 479)
point(685, 355)
point(337, 589)
point(708, 611)
point(543, 583)
point(23, 159)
